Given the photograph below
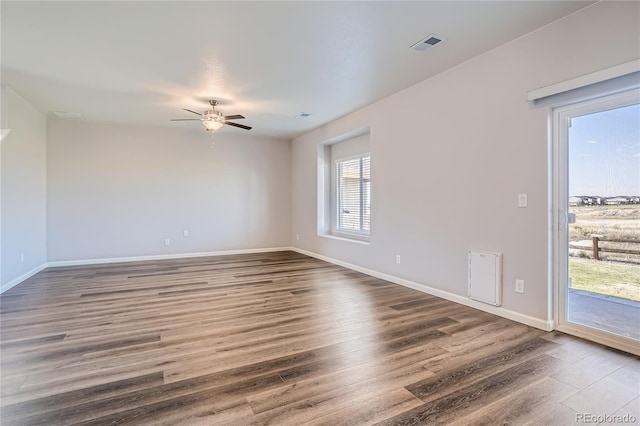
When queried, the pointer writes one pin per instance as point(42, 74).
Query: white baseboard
point(501, 312)
point(162, 257)
point(22, 277)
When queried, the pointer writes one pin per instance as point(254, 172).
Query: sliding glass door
point(597, 203)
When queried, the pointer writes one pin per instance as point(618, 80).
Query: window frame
point(336, 225)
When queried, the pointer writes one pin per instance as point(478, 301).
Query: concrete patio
point(607, 313)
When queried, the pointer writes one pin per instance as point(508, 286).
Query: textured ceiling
point(141, 62)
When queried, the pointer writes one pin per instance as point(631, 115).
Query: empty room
point(320, 213)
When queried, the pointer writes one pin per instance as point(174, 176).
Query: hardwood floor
point(281, 338)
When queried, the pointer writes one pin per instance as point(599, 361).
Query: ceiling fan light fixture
point(211, 125)
point(213, 119)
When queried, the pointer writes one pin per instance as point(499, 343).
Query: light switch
point(522, 200)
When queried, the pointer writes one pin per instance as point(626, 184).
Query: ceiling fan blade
point(238, 125)
point(185, 119)
point(233, 117)
point(184, 109)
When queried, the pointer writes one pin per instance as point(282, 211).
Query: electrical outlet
point(21, 257)
point(297, 237)
point(185, 232)
point(398, 259)
point(167, 241)
point(520, 286)
point(523, 200)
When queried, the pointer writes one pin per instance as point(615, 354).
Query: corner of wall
point(23, 189)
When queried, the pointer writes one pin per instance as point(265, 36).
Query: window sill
point(346, 238)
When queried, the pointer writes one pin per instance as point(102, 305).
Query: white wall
point(118, 191)
point(453, 153)
point(23, 189)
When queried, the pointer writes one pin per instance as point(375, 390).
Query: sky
point(604, 153)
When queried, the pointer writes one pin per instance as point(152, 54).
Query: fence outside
point(597, 248)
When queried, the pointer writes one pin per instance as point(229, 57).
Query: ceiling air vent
point(428, 42)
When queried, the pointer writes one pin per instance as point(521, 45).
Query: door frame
point(559, 199)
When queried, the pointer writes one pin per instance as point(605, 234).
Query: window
point(353, 195)
point(344, 187)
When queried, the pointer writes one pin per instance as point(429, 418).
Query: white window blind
point(353, 195)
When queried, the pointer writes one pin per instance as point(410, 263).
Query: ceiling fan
point(213, 119)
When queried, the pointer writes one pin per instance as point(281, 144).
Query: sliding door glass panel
point(603, 220)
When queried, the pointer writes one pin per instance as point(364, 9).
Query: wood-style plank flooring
point(281, 338)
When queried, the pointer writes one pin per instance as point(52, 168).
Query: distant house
point(589, 200)
point(585, 200)
point(614, 201)
point(575, 201)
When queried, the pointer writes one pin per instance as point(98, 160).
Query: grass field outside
point(605, 278)
point(616, 274)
